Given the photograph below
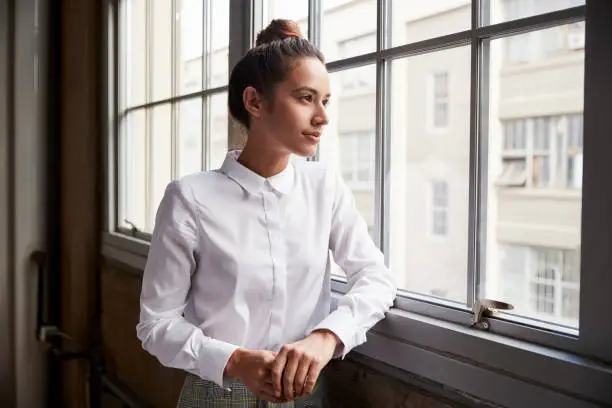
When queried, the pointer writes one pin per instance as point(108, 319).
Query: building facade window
point(356, 160)
point(553, 277)
point(440, 111)
point(542, 152)
point(439, 208)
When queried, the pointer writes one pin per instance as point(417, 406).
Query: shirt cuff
point(339, 322)
point(214, 358)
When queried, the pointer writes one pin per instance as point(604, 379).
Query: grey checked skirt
point(199, 393)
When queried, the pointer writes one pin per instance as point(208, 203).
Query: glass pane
point(341, 37)
point(161, 49)
point(134, 52)
point(428, 235)
point(218, 46)
point(189, 33)
point(189, 137)
point(349, 139)
point(132, 171)
point(160, 160)
point(296, 10)
point(416, 20)
point(535, 224)
point(217, 120)
point(505, 10)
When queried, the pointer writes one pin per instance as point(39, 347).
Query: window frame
point(429, 339)
point(120, 104)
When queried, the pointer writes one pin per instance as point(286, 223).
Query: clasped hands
point(289, 374)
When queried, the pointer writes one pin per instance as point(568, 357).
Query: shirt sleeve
point(163, 331)
point(372, 287)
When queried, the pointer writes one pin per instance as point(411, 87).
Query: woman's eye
point(326, 102)
point(307, 98)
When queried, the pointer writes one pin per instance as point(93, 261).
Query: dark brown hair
point(263, 67)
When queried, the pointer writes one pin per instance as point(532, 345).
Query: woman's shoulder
point(190, 184)
point(317, 172)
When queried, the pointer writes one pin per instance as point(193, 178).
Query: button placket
point(279, 269)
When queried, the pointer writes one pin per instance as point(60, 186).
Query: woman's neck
point(262, 160)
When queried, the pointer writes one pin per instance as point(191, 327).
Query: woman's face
point(294, 120)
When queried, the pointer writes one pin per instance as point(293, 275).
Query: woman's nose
point(320, 118)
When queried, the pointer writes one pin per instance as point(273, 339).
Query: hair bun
point(278, 30)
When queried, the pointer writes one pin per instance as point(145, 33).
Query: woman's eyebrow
point(309, 89)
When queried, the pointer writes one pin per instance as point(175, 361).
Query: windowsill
point(486, 366)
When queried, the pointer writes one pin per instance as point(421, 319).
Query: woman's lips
point(313, 135)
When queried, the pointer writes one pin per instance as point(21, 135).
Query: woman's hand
point(253, 368)
point(298, 365)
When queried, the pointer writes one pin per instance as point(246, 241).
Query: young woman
point(237, 287)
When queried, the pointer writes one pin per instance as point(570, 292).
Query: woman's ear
point(253, 102)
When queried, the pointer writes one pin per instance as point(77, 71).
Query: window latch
point(133, 228)
point(484, 308)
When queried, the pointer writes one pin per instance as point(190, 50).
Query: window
point(439, 208)
point(356, 161)
point(518, 227)
point(173, 114)
point(529, 158)
point(439, 112)
point(553, 276)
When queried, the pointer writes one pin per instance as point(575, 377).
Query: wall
point(7, 384)
point(22, 195)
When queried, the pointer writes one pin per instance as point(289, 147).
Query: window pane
point(160, 160)
point(416, 20)
point(217, 50)
point(189, 33)
point(349, 139)
point(132, 171)
point(541, 215)
point(424, 263)
point(352, 131)
point(296, 10)
point(217, 122)
point(505, 10)
point(189, 137)
point(341, 36)
point(161, 49)
point(134, 52)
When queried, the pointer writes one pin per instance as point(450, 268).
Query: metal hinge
point(484, 308)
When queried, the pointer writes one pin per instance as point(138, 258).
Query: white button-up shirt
point(238, 260)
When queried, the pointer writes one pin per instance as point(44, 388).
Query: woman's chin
point(306, 151)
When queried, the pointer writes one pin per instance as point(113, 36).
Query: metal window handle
point(133, 228)
point(484, 308)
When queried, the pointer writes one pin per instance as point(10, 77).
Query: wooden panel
point(123, 353)
point(352, 385)
point(79, 173)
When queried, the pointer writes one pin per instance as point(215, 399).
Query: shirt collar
point(253, 182)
